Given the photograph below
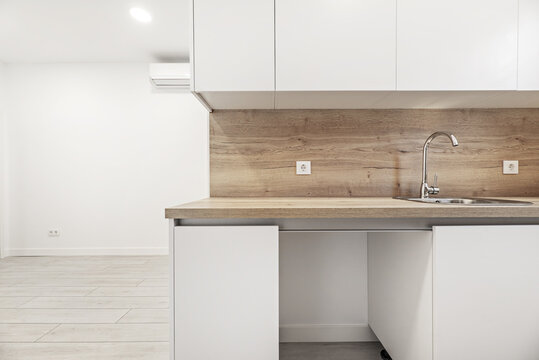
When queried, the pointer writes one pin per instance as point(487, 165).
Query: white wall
point(96, 154)
point(3, 190)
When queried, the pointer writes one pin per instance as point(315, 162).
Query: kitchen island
point(444, 281)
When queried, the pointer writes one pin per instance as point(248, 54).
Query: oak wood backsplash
point(372, 152)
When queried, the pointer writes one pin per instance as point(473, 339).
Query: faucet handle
point(434, 189)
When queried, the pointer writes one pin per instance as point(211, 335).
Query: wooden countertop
point(332, 208)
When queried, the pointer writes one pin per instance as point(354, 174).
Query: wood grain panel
point(341, 208)
point(372, 152)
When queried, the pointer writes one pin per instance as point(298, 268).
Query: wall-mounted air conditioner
point(171, 75)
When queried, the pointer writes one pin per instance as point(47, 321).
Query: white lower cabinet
point(486, 292)
point(226, 293)
point(400, 292)
point(460, 292)
point(457, 292)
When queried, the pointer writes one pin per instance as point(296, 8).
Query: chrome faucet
point(426, 190)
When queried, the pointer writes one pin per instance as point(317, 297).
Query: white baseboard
point(326, 333)
point(85, 251)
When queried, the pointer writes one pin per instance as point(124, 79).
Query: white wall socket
point(303, 168)
point(54, 232)
point(510, 166)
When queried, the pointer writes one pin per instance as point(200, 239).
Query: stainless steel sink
point(426, 190)
point(467, 201)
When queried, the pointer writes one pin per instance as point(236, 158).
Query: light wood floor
point(105, 307)
point(109, 307)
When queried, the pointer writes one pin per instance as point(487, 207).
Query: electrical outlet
point(303, 168)
point(510, 167)
point(54, 232)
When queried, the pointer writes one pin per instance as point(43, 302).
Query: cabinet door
point(486, 292)
point(328, 45)
point(528, 45)
point(226, 292)
point(400, 292)
point(233, 45)
point(457, 45)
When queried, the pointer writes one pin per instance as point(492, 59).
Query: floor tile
point(154, 282)
point(32, 260)
point(130, 291)
point(47, 291)
point(78, 282)
point(11, 302)
point(47, 276)
point(23, 332)
point(9, 282)
point(98, 260)
point(85, 351)
point(330, 351)
point(51, 268)
point(97, 302)
point(107, 333)
point(84, 307)
point(57, 316)
point(153, 267)
point(146, 316)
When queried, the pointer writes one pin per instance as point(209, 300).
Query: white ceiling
point(92, 31)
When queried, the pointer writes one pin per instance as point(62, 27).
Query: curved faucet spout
point(425, 188)
point(451, 137)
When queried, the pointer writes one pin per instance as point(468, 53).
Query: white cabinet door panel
point(335, 45)
point(528, 45)
point(400, 292)
point(226, 292)
point(233, 45)
point(486, 292)
point(457, 45)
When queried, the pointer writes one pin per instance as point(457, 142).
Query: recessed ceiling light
point(141, 15)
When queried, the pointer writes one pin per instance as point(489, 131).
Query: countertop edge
point(321, 209)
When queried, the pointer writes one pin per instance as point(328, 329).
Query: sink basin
point(468, 201)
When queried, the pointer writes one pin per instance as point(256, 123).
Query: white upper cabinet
point(528, 45)
point(287, 54)
point(457, 45)
point(335, 45)
point(233, 45)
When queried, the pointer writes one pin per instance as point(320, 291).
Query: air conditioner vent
point(171, 75)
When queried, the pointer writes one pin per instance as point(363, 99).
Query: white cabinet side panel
point(171, 228)
point(457, 45)
point(528, 45)
point(486, 292)
point(400, 292)
point(226, 292)
point(233, 45)
point(329, 45)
